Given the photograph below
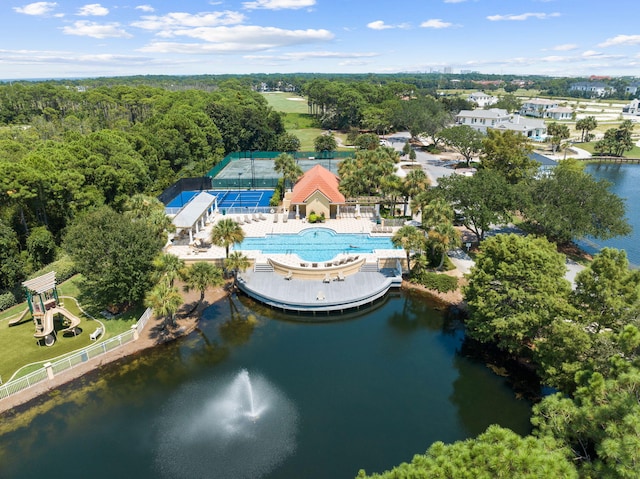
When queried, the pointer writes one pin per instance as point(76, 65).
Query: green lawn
point(633, 153)
point(18, 347)
point(280, 101)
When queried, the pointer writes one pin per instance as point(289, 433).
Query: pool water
point(317, 244)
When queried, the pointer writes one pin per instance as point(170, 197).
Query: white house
point(537, 107)
point(632, 108)
point(632, 89)
point(482, 99)
point(499, 119)
point(595, 88)
point(559, 113)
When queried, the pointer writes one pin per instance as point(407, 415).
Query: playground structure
point(45, 306)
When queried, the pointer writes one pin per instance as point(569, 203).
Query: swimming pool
point(317, 244)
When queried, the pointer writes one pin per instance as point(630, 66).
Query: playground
point(66, 327)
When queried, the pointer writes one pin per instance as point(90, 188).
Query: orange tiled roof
point(320, 179)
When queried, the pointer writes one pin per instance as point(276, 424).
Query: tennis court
point(227, 198)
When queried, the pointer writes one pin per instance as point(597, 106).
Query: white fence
point(49, 370)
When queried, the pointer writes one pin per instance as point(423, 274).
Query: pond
point(253, 394)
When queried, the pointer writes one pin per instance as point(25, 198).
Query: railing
point(49, 370)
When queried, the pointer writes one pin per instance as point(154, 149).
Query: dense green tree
point(481, 200)
point(325, 142)
point(411, 239)
point(508, 102)
point(114, 254)
point(600, 423)
point(288, 142)
point(165, 301)
point(367, 141)
point(516, 289)
point(225, 233)
point(508, 153)
point(442, 238)
point(11, 265)
point(202, 275)
point(364, 174)
point(558, 133)
point(616, 140)
point(464, 140)
point(41, 246)
point(496, 453)
point(568, 203)
point(585, 125)
point(607, 292)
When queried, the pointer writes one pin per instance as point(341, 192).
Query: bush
point(64, 268)
point(440, 282)
point(7, 300)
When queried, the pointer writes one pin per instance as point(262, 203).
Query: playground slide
point(75, 321)
point(47, 324)
point(19, 319)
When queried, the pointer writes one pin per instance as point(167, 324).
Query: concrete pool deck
point(265, 285)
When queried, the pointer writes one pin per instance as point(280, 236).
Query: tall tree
point(410, 239)
point(464, 140)
point(237, 262)
point(114, 254)
point(202, 275)
point(508, 153)
point(516, 290)
point(559, 133)
point(569, 203)
point(165, 301)
point(169, 267)
point(325, 142)
point(585, 125)
point(225, 233)
point(481, 200)
point(286, 165)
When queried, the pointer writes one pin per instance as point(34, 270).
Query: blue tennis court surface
point(227, 198)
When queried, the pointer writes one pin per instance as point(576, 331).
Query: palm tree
point(436, 212)
point(165, 300)
point(410, 239)
point(225, 233)
point(286, 165)
point(443, 237)
point(168, 266)
point(237, 262)
point(202, 275)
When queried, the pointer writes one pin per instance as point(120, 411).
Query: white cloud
point(297, 56)
point(93, 10)
point(454, 1)
point(435, 23)
point(565, 47)
point(37, 8)
point(85, 28)
point(145, 8)
point(522, 16)
point(621, 40)
point(278, 4)
point(380, 25)
point(166, 23)
point(239, 38)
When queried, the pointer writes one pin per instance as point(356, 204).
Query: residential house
point(559, 113)
point(596, 89)
point(537, 107)
point(632, 89)
point(482, 99)
point(499, 119)
point(632, 108)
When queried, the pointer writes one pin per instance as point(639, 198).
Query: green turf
point(280, 101)
point(18, 347)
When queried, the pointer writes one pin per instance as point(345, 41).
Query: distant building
point(596, 89)
point(632, 108)
point(482, 99)
point(499, 119)
point(632, 89)
point(543, 108)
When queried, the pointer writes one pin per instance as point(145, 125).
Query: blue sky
point(55, 39)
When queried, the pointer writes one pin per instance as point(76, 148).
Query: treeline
point(64, 152)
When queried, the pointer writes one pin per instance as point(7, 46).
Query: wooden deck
point(314, 296)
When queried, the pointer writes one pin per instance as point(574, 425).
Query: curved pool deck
point(316, 296)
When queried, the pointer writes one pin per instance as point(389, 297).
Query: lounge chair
point(239, 220)
point(275, 218)
point(247, 219)
point(304, 265)
point(262, 217)
point(314, 265)
point(340, 276)
point(327, 278)
point(289, 275)
point(320, 296)
point(254, 217)
point(285, 216)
